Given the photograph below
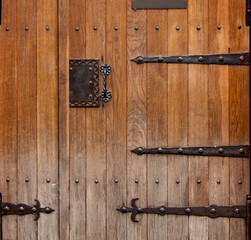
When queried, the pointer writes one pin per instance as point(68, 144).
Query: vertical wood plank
point(8, 113)
point(116, 117)
point(96, 129)
point(156, 120)
point(218, 115)
point(27, 112)
point(64, 203)
point(47, 115)
point(198, 114)
point(77, 129)
point(177, 123)
point(136, 118)
point(239, 114)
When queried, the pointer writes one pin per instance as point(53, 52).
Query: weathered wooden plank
point(198, 114)
point(177, 123)
point(77, 129)
point(8, 113)
point(239, 114)
point(156, 120)
point(47, 115)
point(27, 112)
point(96, 129)
point(218, 116)
point(64, 204)
point(136, 118)
point(116, 117)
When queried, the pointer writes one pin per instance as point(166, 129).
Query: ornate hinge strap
point(212, 211)
point(221, 59)
point(222, 151)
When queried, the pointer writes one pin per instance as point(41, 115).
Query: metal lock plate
point(84, 82)
point(159, 4)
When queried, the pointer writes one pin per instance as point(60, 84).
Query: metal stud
point(90, 96)
point(77, 28)
point(47, 28)
point(242, 58)
point(136, 28)
point(161, 59)
point(239, 26)
point(116, 28)
point(26, 28)
point(27, 179)
point(180, 59)
point(136, 181)
point(157, 27)
point(76, 180)
point(157, 181)
point(218, 181)
point(140, 209)
point(198, 28)
point(240, 181)
point(180, 150)
point(198, 181)
point(200, 150)
point(140, 59)
point(48, 180)
point(116, 180)
point(96, 181)
point(177, 28)
point(221, 59)
point(21, 209)
point(95, 28)
point(213, 211)
point(160, 150)
point(47, 210)
point(241, 151)
point(70, 68)
point(90, 69)
point(162, 210)
point(7, 179)
point(140, 150)
point(7, 29)
point(6, 208)
point(200, 59)
point(34, 209)
point(177, 181)
point(123, 209)
point(90, 82)
point(219, 27)
point(237, 211)
point(188, 210)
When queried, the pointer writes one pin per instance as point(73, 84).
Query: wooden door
point(79, 160)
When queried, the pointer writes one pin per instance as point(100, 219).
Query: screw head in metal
point(34, 209)
point(26, 28)
point(160, 59)
point(198, 181)
point(157, 27)
point(77, 28)
point(237, 211)
point(70, 68)
point(188, 210)
point(90, 69)
point(48, 180)
point(241, 151)
point(7, 179)
point(6, 208)
point(123, 209)
point(27, 179)
point(177, 181)
point(76, 180)
point(180, 59)
point(140, 59)
point(90, 82)
point(218, 181)
point(221, 150)
point(201, 59)
point(21, 209)
point(140, 150)
point(240, 181)
point(160, 150)
point(47, 210)
point(7, 29)
point(219, 27)
point(116, 28)
point(180, 150)
point(47, 28)
point(221, 59)
point(200, 150)
point(136, 181)
point(140, 209)
point(96, 181)
point(177, 28)
point(198, 28)
point(239, 26)
point(116, 180)
point(162, 209)
point(90, 95)
point(213, 211)
point(136, 28)
point(95, 28)
point(157, 181)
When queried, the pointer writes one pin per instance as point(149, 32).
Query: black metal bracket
point(0, 12)
point(219, 151)
point(248, 13)
point(106, 95)
point(219, 59)
point(154, 4)
point(21, 209)
point(212, 211)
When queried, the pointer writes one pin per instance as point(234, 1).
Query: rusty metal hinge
point(212, 211)
point(219, 151)
point(21, 209)
point(219, 59)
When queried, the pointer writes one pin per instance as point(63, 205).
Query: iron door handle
point(105, 95)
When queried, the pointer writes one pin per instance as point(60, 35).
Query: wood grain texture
point(218, 116)
point(27, 112)
point(198, 114)
point(8, 113)
point(96, 130)
point(77, 129)
point(64, 176)
point(157, 120)
point(136, 118)
point(116, 111)
point(177, 123)
point(239, 114)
